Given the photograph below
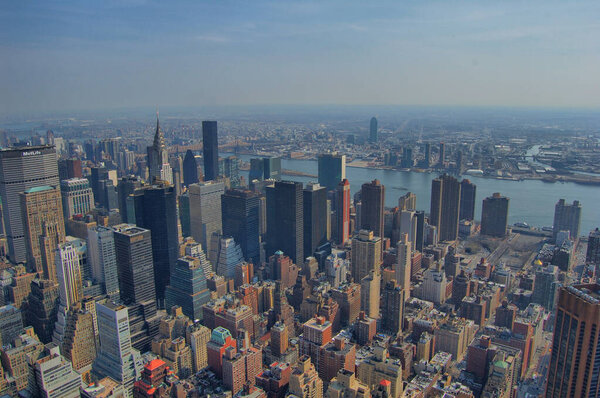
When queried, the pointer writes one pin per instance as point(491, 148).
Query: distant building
point(567, 217)
point(494, 215)
point(190, 169)
point(373, 133)
point(445, 206)
point(315, 217)
point(366, 254)
point(205, 211)
point(240, 220)
point(332, 170)
point(467, 200)
point(210, 150)
point(593, 248)
point(373, 203)
point(342, 212)
point(77, 196)
point(159, 168)
point(285, 220)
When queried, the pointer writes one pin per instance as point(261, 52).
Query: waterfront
point(531, 201)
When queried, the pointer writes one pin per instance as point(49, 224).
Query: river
point(531, 201)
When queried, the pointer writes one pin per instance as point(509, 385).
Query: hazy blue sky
point(105, 54)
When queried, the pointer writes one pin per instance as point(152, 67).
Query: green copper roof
point(501, 364)
point(38, 189)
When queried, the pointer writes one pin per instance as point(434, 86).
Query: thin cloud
point(213, 38)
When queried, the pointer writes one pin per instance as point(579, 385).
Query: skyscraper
point(42, 308)
point(370, 287)
point(392, 308)
point(156, 210)
point(445, 202)
point(23, 168)
point(190, 169)
point(544, 287)
point(210, 149)
point(373, 135)
point(494, 215)
point(41, 208)
point(342, 212)
point(467, 200)
point(68, 271)
point(205, 211)
point(55, 376)
point(116, 357)
point(159, 168)
point(188, 287)
point(285, 220)
point(257, 169)
point(567, 218)
point(574, 369)
point(77, 196)
point(315, 217)
point(239, 210)
point(442, 155)
point(427, 156)
point(272, 168)
point(332, 170)
point(593, 249)
point(125, 187)
point(103, 260)
point(133, 248)
point(403, 265)
point(408, 201)
point(228, 256)
point(373, 203)
point(366, 254)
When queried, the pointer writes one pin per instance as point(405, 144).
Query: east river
point(531, 201)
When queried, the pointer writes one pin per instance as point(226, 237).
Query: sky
point(83, 55)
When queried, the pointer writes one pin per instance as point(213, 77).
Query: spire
point(159, 138)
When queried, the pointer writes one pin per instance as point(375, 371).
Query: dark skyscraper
point(373, 136)
point(188, 287)
point(315, 217)
point(593, 249)
point(257, 169)
point(21, 169)
point(445, 202)
point(393, 308)
point(467, 200)
point(567, 218)
point(574, 369)
point(156, 210)
point(285, 220)
point(133, 249)
point(125, 187)
point(494, 215)
point(210, 144)
point(239, 210)
point(420, 216)
point(427, 159)
point(272, 168)
point(190, 169)
point(373, 202)
point(332, 170)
